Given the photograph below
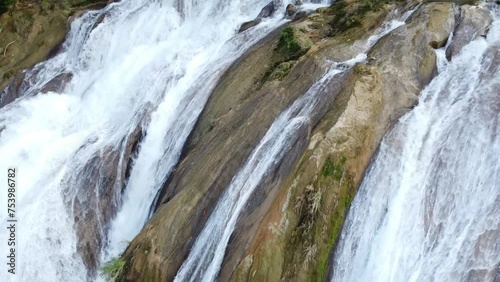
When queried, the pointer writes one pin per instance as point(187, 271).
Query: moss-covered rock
point(304, 221)
point(288, 230)
point(31, 30)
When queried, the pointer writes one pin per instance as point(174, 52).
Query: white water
point(206, 255)
point(145, 57)
point(429, 206)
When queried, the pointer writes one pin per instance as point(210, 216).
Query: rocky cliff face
point(292, 221)
point(30, 31)
point(290, 226)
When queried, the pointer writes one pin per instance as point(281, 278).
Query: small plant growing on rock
point(334, 169)
point(112, 270)
point(5, 5)
point(287, 43)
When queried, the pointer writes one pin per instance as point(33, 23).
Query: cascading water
point(206, 256)
point(135, 66)
point(429, 206)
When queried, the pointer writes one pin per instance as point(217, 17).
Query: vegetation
point(288, 49)
point(348, 16)
point(113, 269)
point(281, 70)
point(344, 197)
point(321, 208)
point(332, 169)
point(288, 45)
point(5, 5)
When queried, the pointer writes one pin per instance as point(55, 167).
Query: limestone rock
point(246, 25)
point(473, 22)
point(440, 18)
point(230, 126)
point(57, 83)
point(267, 11)
point(291, 10)
point(293, 245)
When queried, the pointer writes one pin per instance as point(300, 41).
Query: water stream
point(429, 206)
point(141, 65)
point(206, 256)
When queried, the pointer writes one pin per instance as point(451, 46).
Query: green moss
point(288, 46)
point(22, 24)
point(348, 16)
point(336, 170)
point(288, 49)
point(345, 197)
point(342, 18)
point(113, 269)
point(321, 209)
point(281, 70)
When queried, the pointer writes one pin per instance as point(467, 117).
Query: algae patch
point(291, 46)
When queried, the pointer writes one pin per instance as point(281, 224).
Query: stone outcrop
point(100, 184)
point(31, 32)
point(295, 237)
point(289, 227)
point(472, 22)
point(230, 126)
point(291, 10)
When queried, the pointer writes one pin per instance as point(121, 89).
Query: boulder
point(57, 83)
point(293, 241)
point(267, 11)
point(300, 15)
point(473, 21)
point(291, 10)
point(246, 25)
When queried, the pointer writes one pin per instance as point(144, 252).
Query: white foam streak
point(428, 208)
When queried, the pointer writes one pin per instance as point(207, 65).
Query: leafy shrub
point(5, 5)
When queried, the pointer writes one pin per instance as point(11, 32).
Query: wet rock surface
point(57, 83)
point(294, 239)
point(290, 225)
point(31, 33)
point(101, 182)
point(230, 126)
point(472, 22)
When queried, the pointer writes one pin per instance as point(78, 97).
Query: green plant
point(336, 170)
point(112, 270)
point(288, 44)
point(5, 5)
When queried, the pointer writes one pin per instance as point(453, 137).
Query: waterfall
point(91, 158)
point(429, 206)
point(206, 255)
